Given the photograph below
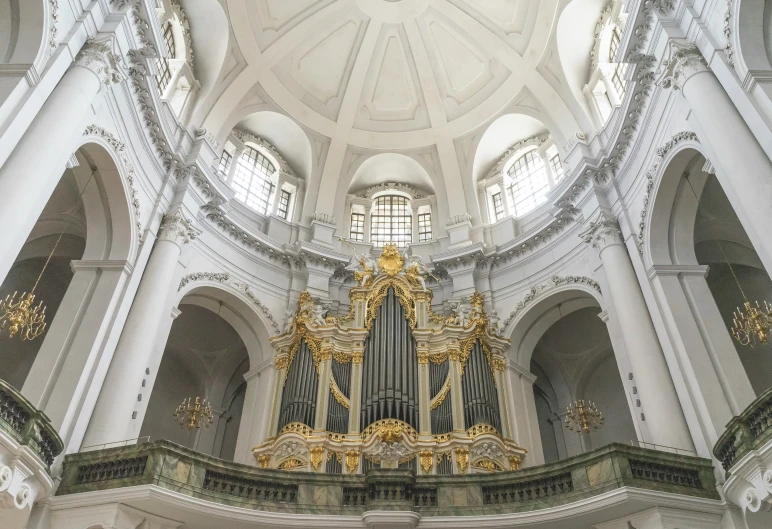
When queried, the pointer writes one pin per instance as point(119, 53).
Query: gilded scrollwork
point(441, 395)
point(338, 394)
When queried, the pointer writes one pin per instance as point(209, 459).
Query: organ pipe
point(481, 403)
point(390, 368)
point(298, 401)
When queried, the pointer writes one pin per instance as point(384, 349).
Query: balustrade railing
point(28, 425)
point(186, 472)
point(746, 432)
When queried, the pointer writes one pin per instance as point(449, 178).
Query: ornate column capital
point(603, 232)
point(177, 229)
point(685, 60)
point(100, 55)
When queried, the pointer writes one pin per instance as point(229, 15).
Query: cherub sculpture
point(318, 313)
point(494, 323)
point(365, 268)
point(289, 320)
point(415, 269)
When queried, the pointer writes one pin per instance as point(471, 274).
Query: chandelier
point(194, 413)
point(752, 325)
point(21, 316)
point(580, 417)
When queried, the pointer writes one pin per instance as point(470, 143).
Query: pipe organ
point(391, 384)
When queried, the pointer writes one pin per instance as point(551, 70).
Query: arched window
point(252, 180)
point(528, 184)
point(392, 221)
point(164, 75)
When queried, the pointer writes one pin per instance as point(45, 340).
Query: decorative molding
point(458, 219)
point(225, 279)
point(391, 186)
point(176, 228)
point(520, 145)
point(245, 137)
point(599, 26)
point(603, 232)
point(661, 153)
point(685, 60)
point(131, 175)
point(52, 42)
point(185, 26)
point(99, 56)
point(554, 281)
point(728, 50)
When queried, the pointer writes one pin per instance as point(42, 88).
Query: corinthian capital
point(100, 56)
point(602, 232)
point(176, 228)
point(684, 61)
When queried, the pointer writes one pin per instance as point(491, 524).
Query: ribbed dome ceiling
point(392, 73)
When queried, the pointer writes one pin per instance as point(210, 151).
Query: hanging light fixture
point(194, 413)
point(21, 316)
point(581, 417)
point(752, 325)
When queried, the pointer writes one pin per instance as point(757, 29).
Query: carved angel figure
point(364, 266)
point(415, 269)
point(317, 314)
point(494, 322)
point(289, 319)
point(460, 315)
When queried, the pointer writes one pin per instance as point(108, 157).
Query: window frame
point(424, 227)
point(253, 182)
point(284, 203)
point(532, 174)
point(497, 200)
point(357, 227)
point(164, 75)
point(224, 169)
point(398, 226)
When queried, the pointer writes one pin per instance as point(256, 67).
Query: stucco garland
point(661, 153)
point(225, 279)
point(131, 176)
point(553, 282)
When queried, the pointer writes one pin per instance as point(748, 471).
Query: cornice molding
point(537, 140)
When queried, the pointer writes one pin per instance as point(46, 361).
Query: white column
point(112, 418)
point(32, 171)
point(297, 208)
point(525, 424)
point(659, 401)
point(234, 163)
point(280, 181)
point(456, 391)
point(64, 366)
point(253, 428)
point(368, 223)
point(424, 393)
point(746, 171)
point(323, 390)
point(357, 355)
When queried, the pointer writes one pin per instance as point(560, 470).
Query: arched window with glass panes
point(523, 185)
point(253, 175)
point(391, 217)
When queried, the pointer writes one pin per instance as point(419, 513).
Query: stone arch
point(697, 330)
point(749, 40)
point(238, 310)
point(25, 27)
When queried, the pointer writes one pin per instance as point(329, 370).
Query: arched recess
point(561, 343)
point(279, 130)
point(691, 233)
point(397, 168)
point(89, 209)
point(243, 384)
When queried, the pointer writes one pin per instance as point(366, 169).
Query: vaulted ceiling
point(395, 75)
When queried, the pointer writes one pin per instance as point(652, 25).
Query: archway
point(569, 355)
point(574, 360)
point(204, 357)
